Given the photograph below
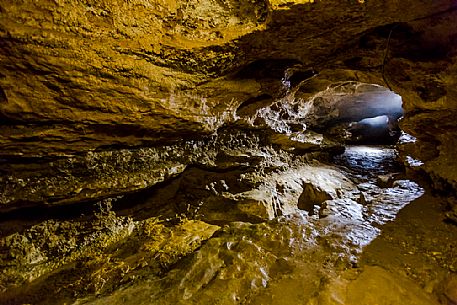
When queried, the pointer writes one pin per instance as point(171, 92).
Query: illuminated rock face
point(78, 76)
point(178, 152)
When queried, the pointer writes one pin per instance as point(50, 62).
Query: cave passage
point(378, 130)
point(371, 116)
point(382, 128)
point(255, 209)
point(372, 135)
point(228, 152)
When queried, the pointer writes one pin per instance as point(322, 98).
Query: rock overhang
point(86, 76)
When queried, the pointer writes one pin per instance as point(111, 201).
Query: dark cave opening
point(372, 118)
point(365, 118)
point(382, 128)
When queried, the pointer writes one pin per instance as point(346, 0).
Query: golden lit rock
point(229, 152)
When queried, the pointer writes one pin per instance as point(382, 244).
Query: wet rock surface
point(265, 250)
point(82, 76)
point(193, 152)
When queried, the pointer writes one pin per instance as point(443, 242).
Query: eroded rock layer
point(78, 76)
point(173, 151)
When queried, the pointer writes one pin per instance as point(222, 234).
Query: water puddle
point(369, 161)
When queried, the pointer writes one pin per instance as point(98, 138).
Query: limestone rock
point(210, 110)
point(374, 286)
point(385, 180)
point(81, 76)
point(307, 141)
point(451, 290)
point(93, 255)
point(345, 208)
point(311, 197)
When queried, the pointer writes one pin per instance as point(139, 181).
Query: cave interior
point(228, 152)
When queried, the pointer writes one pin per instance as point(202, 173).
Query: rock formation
point(85, 78)
point(204, 113)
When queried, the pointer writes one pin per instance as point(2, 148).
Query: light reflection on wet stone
point(294, 254)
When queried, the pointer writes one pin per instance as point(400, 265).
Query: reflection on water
point(289, 259)
point(406, 138)
point(369, 161)
point(414, 162)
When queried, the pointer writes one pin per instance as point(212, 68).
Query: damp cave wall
point(96, 102)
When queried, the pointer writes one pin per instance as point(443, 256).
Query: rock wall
point(81, 80)
point(157, 151)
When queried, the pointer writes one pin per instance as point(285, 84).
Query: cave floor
point(419, 245)
point(412, 261)
point(382, 240)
